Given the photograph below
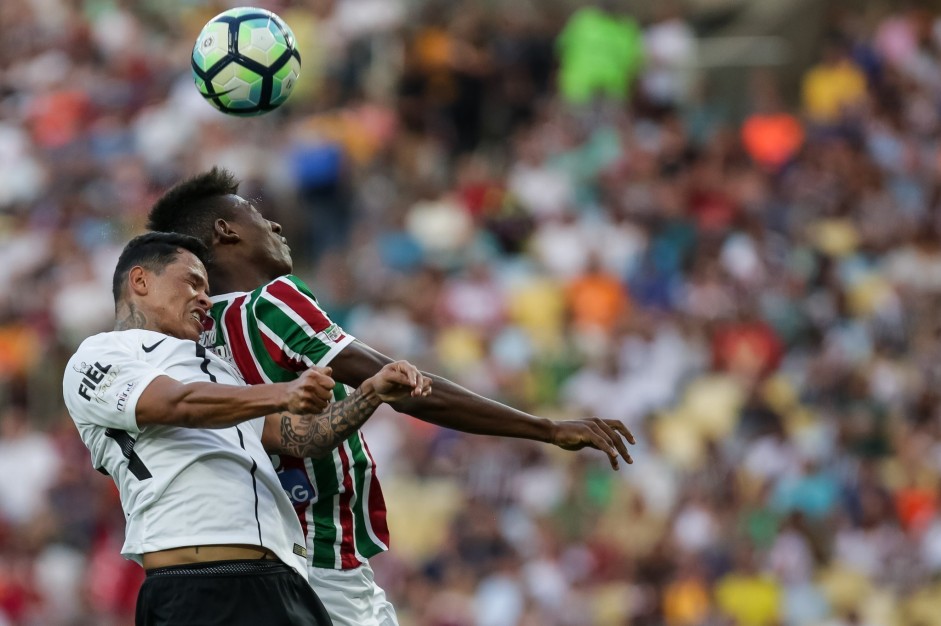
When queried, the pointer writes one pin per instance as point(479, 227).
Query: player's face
point(265, 247)
point(178, 297)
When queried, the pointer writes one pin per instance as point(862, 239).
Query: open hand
point(605, 435)
point(399, 380)
point(311, 391)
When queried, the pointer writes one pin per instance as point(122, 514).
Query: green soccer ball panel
point(237, 87)
point(212, 45)
point(262, 41)
point(284, 81)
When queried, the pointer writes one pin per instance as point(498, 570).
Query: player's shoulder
point(284, 287)
point(224, 299)
point(113, 340)
point(104, 350)
point(129, 341)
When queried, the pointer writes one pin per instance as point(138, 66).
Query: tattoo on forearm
point(133, 319)
point(317, 435)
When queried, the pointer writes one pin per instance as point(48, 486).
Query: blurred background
point(716, 220)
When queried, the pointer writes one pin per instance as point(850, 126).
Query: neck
point(230, 278)
point(130, 316)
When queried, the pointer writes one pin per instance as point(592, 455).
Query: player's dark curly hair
point(153, 251)
point(191, 207)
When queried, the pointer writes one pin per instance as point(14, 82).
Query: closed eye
point(198, 282)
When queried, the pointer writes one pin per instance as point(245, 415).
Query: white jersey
point(179, 486)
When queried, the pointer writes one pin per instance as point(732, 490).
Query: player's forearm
point(450, 405)
point(208, 405)
point(457, 408)
point(318, 435)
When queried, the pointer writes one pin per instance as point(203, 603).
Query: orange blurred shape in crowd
point(686, 602)
point(58, 117)
point(772, 140)
point(597, 299)
point(434, 49)
point(915, 507)
point(19, 347)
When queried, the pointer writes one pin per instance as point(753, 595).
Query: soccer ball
point(245, 62)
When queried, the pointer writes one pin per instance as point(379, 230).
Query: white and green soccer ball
point(245, 61)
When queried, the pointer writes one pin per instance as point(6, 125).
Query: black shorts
point(229, 593)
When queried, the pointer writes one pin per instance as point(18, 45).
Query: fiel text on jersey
point(95, 381)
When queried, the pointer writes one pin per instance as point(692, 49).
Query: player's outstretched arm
point(455, 407)
point(316, 436)
point(168, 402)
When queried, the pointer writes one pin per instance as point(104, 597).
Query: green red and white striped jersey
point(271, 334)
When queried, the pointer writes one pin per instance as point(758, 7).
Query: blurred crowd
point(548, 204)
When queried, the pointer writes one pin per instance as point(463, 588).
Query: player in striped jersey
point(268, 323)
point(186, 442)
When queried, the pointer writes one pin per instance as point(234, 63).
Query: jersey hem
point(362, 560)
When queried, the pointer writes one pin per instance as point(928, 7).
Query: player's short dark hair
point(192, 206)
point(153, 251)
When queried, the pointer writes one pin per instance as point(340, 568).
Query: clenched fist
point(398, 380)
point(311, 391)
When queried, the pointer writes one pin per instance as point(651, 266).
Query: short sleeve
point(102, 384)
point(296, 332)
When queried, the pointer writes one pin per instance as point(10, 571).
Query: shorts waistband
point(240, 566)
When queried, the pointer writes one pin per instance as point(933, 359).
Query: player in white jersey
point(187, 443)
point(346, 519)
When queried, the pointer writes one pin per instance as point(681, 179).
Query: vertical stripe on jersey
point(376, 523)
point(326, 512)
point(234, 327)
point(361, 476)
point(256, 342)
point(326, 535)
point(348, 558)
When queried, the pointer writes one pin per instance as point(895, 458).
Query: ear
point(223, 232)
point(138, 281)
